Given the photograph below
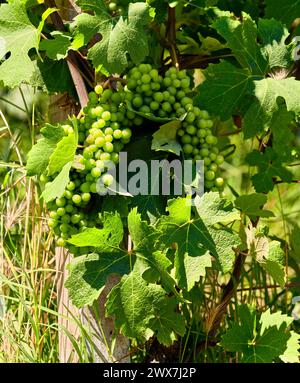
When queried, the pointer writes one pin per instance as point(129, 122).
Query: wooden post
point(102, 334)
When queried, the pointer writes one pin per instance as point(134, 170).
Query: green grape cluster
point(168, 96)
point(103, 130)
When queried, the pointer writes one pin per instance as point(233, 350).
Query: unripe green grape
point(185, 83)
point(211, 140)
point(213, 156)
point(68, 194)
point(137, 102)
point(154, 105)
point(188, 148)
point(220, 160)
point(209, 124)
point(130, 115)
point(98, 89)
point(190, 117)
point(195, 141)
point(115, 157)
point(166, 106)
point(108, 147)
point(61, 211)
point(180, 112)
point(76, 199)
point(86, 197)
point(146, 78)
point(180, 132)
point(210, 175)
point(146, 88)
point(219, 182)
point(60, 242)
point(202, 133)
point(89, 178)
point(204, 152)
point(106, 95)
point(90, 139)
point(131, 85)
point(85, 187)
point(145, 109)
point(52, 223)
point(186, 101)
point(96, 172)
point(172, 90)
point(105, 156)
point(75, 219)
point(66, 218)
point(87, 153)
point(69, 208)
point(117, 134)
point(167, 81)
point(166, 95)
point(143, 68)
point(204, 114)
point(108, 138)
point(191, 129)
point(93, 97)
point(106, 116)
point(214, 167)
point(158, 97)
point(107, 179)
point(100, 141)
point(93, 188)
point(177, 83)
point(126, 133)
point(186, 139)
point(138, 121)
point(53, 215)
point(207, 161)
point(60, 202)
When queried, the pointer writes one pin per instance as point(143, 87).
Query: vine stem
point(171, 36)
point(215, 315)
point(71, 59)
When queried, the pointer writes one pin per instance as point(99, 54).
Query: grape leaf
point(194, 238)
point(285, 10)
point(88, 274)
point(214, 209)
point(282, 321)
point(268, 319)
point(291, 354)
point(167, 322)
point(274, 262)
point(165, 138)
point(64, 152)
point(241, 37)
point(56, 48)
point(273, 36)
point(270, 341)
point(52, 76)
point(40, 153)
point(269, 255)
point(267, 91)
point(20, 37)
point(223, 90)
point(106, 239)
point(252, 205)
point(127, 36)
point(229, 89)
point(269, 165)
point(144, 239)
point(140, 309)
point(56, 188)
